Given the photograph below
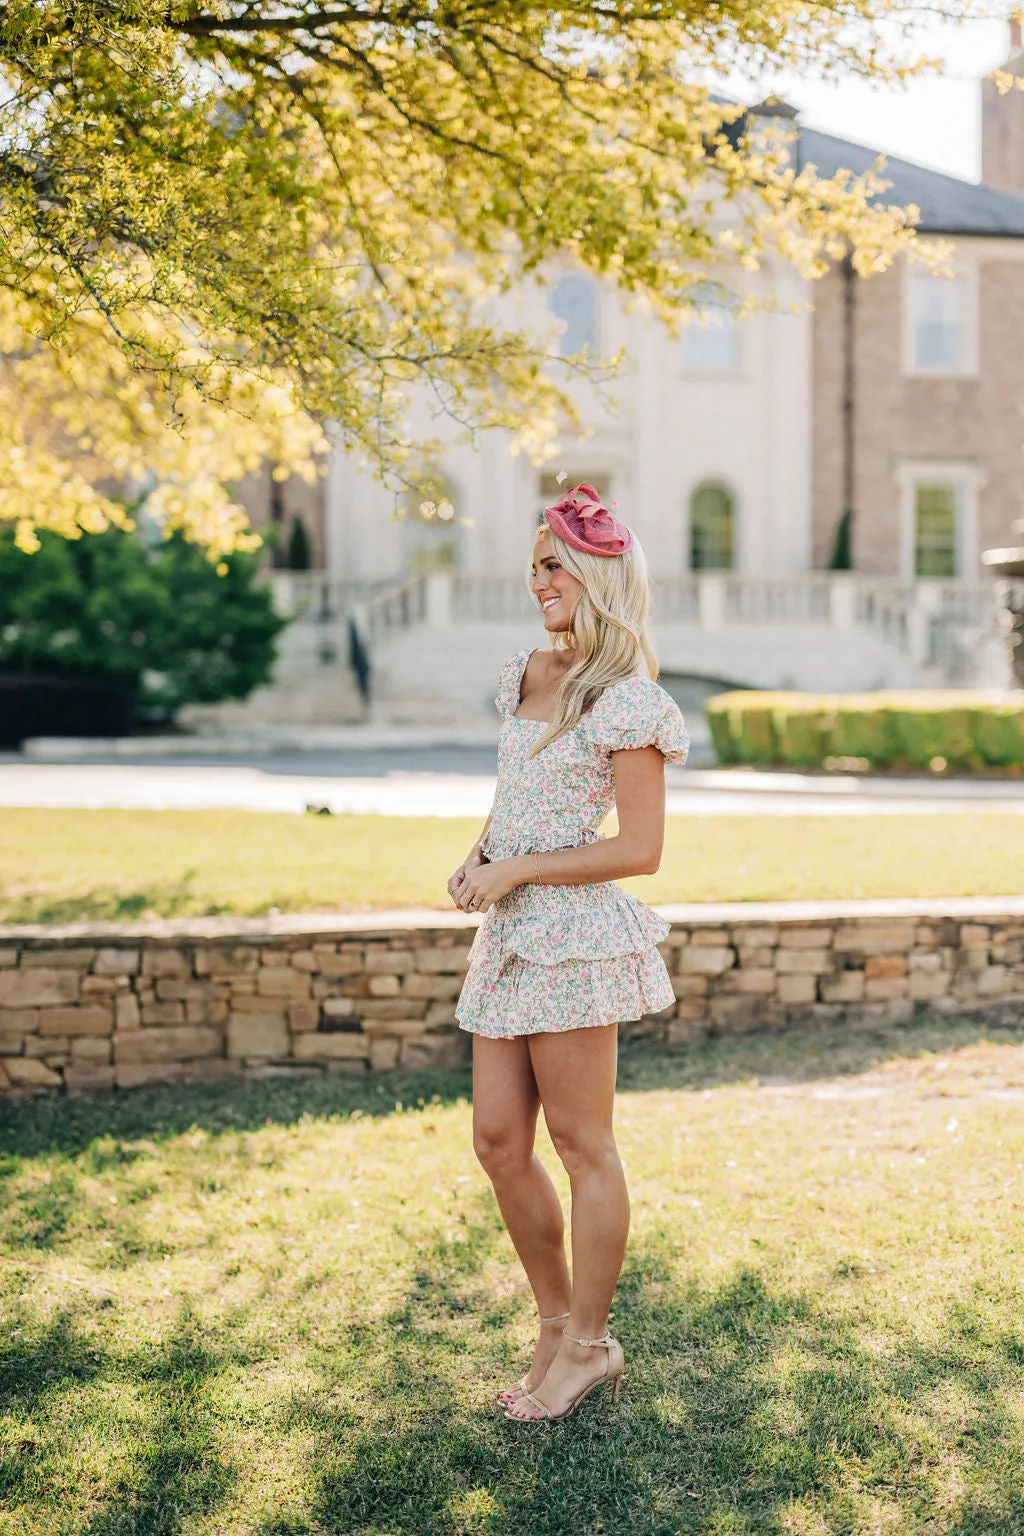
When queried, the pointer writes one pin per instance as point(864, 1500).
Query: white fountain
point(1007, 565)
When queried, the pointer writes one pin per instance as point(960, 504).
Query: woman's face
point(555, 590)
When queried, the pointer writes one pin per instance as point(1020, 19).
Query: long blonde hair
point(610, 629)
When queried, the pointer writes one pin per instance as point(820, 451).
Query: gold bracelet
point(536, 860)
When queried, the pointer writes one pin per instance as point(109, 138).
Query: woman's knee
point(583, 1149)
point(502, 1150)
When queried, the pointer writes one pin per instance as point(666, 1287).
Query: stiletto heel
point(510, 1394)
point(614, 1370)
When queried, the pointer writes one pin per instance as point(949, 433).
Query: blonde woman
point(563, 955)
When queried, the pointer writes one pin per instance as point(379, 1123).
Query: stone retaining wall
point(120, 1007)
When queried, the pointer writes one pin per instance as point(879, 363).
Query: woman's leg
point(575, 1076)
point(505, 1108)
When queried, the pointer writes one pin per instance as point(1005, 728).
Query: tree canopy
point(225, 225)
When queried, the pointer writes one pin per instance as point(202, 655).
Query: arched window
point(431, 529)
point(712, 528)
point(574, 302)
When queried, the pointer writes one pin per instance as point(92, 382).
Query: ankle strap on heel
point(588, 1343)
point(558, 1317)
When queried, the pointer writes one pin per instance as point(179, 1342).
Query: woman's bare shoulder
point(542, 665)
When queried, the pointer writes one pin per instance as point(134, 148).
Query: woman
point(563, 955)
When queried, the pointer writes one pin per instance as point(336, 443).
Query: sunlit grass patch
point(283, 1309)
point(63, 866)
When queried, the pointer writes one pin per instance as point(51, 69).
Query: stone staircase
point(313, 683)
point(436, 642)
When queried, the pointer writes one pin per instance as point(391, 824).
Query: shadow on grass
point(167, 1470)
point(37, 1127)
point(749, 1409)
point(41, 1126)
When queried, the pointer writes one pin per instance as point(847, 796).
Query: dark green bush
point(863, 728)
point(885, 730)
point(802, 734)
point(997, 734)
point(300, 551)
point(155, 621)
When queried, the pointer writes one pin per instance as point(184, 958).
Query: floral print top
point(558, 799)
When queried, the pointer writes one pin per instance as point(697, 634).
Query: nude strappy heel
point(615, 1366)
point(510, 1394)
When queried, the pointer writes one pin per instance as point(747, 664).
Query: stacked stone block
point(128, 1010)
point(120, 1016)
point(857, 972)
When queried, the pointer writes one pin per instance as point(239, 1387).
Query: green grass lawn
point(66, 865)
point(283, 1309)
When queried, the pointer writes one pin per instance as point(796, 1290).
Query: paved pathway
point(447, 781)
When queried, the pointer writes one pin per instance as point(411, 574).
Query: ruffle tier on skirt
point(550, 958)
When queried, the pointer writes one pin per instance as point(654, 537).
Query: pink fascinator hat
point(580, 518)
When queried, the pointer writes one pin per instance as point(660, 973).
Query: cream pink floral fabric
point(556, 957)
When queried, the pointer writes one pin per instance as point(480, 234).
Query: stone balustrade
point(103, 1007)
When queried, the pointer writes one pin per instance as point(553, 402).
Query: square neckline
point(526, 719)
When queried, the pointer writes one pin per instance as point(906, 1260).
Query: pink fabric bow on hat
point(581, 520)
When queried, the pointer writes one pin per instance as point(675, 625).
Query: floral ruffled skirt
point(550, 958)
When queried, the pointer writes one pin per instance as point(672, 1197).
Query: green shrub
point(910, 729)
point(158, 622)
point(721, 736)
point(998, 731)
point(300, 551)
point(752, 726)
point(803, 731)
point(935, 726)
point(862, 728)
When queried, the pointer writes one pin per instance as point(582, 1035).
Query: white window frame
point(735, 368)
point(561, 326)
point(965, 479)
point(967, 364)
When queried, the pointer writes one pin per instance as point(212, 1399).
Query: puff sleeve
point(638, 713)
point(510, 678)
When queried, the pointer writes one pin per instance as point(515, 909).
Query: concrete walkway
point(449, 781)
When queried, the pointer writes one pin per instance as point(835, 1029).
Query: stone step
point(326, 696)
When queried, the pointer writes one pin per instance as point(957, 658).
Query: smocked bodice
point(559, 798)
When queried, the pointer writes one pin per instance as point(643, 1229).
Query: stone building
point(813, 481)
point(917, 385)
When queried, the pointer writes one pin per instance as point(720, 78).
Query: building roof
point(948, 205)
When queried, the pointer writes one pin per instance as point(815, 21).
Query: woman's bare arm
point(636, 847)
point(476, 852)
point(634, 850)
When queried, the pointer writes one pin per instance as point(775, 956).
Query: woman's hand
point(472, 861)
point(488, 883)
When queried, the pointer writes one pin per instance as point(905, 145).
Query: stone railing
point(319, 606)
point(102, 1007)
point(935, 624)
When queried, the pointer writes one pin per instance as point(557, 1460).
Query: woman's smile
point(554, 588)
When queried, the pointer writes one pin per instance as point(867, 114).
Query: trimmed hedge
point(921, 729)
